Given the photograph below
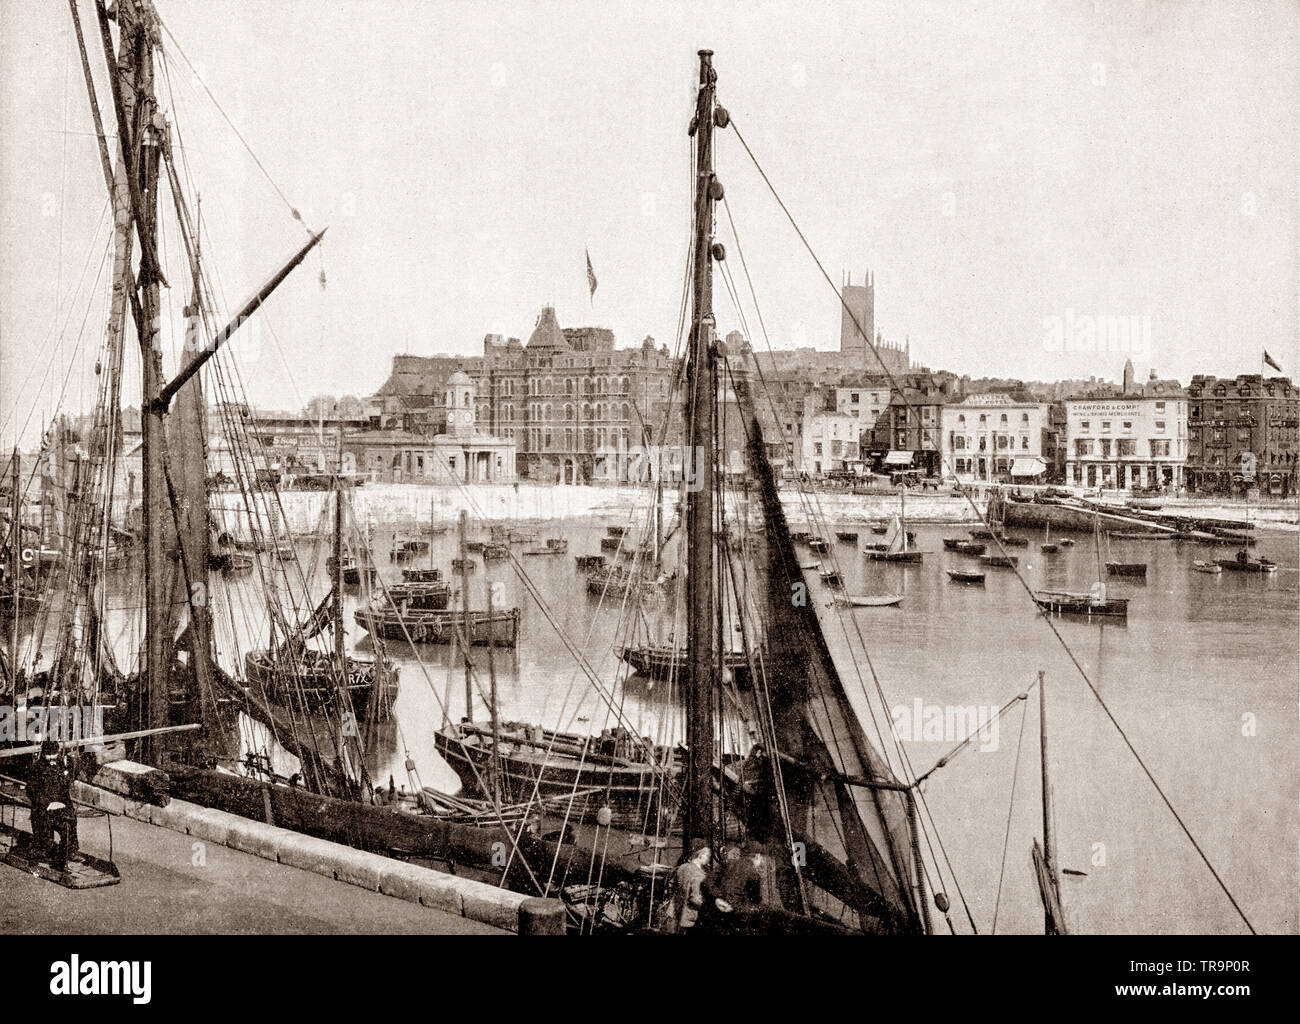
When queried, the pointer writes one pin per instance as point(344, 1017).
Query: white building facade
point(993, 438)
point(1128, 440)
point(830, 442)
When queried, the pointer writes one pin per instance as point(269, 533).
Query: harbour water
point(1202, 679)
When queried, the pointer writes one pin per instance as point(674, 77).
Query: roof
point(547, 334)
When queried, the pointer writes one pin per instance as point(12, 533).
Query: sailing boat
point(1094, 604)
point(895, 548)
point(294, 674)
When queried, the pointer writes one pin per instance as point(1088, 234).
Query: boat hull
point(1082, 605)
point(309, 681)
point(630, 791)
point(500, 629)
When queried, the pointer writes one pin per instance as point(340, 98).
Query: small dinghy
point(1210, 567)
point(962, 576)
point(1136, 570)
point(868, 600)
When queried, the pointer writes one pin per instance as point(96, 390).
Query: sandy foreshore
point(409, 506)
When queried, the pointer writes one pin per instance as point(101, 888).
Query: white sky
point(996, 164)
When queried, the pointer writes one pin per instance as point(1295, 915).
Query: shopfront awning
point(1028, 467)
point(898, 459)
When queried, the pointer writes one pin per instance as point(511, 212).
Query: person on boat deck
point(689, 895)
point(54, 819)
point(739, 883)
point(1241, 556)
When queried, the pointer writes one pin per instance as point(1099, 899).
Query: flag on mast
point(1268, 359)
point(591, 277)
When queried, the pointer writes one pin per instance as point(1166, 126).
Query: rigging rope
point(1024, 583)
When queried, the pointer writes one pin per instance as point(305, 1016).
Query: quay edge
point(477, 901)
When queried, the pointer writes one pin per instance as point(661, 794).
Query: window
point(1159, 448)
point(1105, 425)
point(1160, 407)
point(1127, 447)
point(817, 447)
point(1024, 444)
point(1085, 425)
point(1024, 417)
point(1128, 425)
point(853, 397)
point(1160, 424)
point(1105, 447)
point(1082, 446)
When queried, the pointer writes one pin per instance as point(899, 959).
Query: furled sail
point(829, 790)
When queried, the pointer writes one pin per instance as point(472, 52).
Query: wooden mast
point(140, 150)
point(15, 571)
point(1045, 864)
point(340, 653)
point(700, 822)
point(464, 612)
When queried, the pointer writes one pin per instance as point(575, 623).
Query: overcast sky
point(995, 164)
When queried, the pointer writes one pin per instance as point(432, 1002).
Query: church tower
point(860, 303)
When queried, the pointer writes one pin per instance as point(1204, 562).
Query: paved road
point(171, 883)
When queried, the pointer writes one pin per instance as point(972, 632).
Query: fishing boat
point(1000, 561)
point(427, 626)
point(1134, 570)
point(1048, 547)
point(1091, 605)
point(611, 543)
point(1244, 563)
point(420, 595)
point(954, 543)
point(614, 779)
point(495, 552)
point(618, 581)
point(464, 565)
point(583, 562)
point(353, 572)
point(971, 547)
point(848, 536)
point(830, 577)
point(818, 545)
point(430, 575)
point(1213, 568)
point(300, 677)
point(965, 576)
point(668, 660)
point(403, 550)
point(702, 791)
point(554, 546)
